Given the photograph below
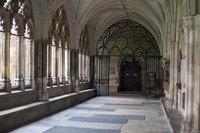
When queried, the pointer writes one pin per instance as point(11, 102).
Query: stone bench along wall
point(18, 116)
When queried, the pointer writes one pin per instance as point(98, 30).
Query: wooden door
point(132, 76)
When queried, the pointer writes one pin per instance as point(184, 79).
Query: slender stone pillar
point(49, 76)
point(41, 71)
point(5, 66)
point(176, 56)
point(171, 89)
point(57, 80)
point(63, 66)
point(74, 66)
point(20, 64)
point(189, 40)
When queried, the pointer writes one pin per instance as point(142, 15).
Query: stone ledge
point(15, 117)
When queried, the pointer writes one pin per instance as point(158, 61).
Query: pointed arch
point(58, 52)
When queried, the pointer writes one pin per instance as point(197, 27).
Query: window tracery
point(58, 53)
point(127, 36)
point(18, 45)
point(84, 60)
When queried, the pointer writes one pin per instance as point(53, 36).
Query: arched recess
point(17, 45)
point(58, 54)
point(128, 38)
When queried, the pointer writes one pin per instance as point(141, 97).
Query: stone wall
point(19, 116)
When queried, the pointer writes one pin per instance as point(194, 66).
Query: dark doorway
point(131, 76)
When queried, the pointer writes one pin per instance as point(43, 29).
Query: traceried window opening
point(84, 57)
point(19, 38)
point(59, 55)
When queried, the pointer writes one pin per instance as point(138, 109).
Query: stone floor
point(113, 114)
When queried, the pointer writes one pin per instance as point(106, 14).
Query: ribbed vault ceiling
point(100, 14)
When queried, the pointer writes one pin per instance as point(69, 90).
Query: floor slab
point(113, 114)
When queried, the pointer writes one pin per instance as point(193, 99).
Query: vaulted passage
point(127, 54)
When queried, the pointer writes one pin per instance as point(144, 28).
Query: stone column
point(49, 76)
point(91, 71)
point(56, 67)
point(32, 76)
point(171, 78)
point(63, 66)
point(189, 40)
point(41, 69)
point(176, 62)
point(74, 67)
point(20, 64)
point(5, 66)
point(196, 107)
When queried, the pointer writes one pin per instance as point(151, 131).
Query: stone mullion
point(50, 81)
point(57, 67)
point(63, 66)
point(68, 66)
point(20, 64)
point(5, 66)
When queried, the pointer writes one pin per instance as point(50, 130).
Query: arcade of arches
point(72, 50)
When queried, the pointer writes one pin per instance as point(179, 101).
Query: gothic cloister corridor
point(105, 114)
point(136, 61)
